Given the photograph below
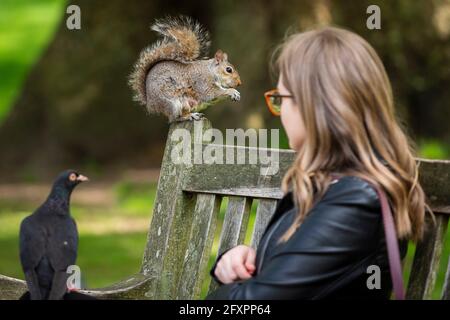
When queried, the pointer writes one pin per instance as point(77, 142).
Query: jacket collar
point(284, 204)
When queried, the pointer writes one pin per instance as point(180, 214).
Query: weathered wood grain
point(185, 212)
point(172, 214)
point(234, 227)
point(221, 179)
point(267, 193)
point(426, 261)
point(131, 288)
point(235, 222)
point(434, 177)
point(264, 212)
point(199, 248)
point(11, 288)
point(446, 287)
point(251, 180)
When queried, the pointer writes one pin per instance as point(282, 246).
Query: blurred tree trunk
point(76, 108)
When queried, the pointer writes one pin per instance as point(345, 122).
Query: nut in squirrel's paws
point(235, 95)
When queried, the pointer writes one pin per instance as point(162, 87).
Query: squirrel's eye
point(229, 69)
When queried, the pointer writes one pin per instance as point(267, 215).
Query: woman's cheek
point(294, 143)
point(291, 120)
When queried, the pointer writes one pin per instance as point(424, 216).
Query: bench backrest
point(185, 219)
point(187, 205)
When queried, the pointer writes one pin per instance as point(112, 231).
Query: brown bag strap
point(393, 251)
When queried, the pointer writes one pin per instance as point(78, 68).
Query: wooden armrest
point(133, 287)
point(11, 288)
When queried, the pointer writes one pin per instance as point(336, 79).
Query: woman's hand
point(237, 263)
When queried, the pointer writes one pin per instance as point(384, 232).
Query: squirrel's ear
point(220, 56)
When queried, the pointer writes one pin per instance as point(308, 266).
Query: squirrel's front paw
point(235, 95)
point(196, 116)
point(190, 117)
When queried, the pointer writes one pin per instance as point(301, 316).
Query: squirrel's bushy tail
point(183, 40)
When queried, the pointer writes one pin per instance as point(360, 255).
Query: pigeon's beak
point(82, 178)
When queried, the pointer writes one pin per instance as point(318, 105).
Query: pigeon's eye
point(229, 69)
point(73, 177)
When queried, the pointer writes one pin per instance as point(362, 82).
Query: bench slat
point(199, 248)
point(446, 288)
point(434, 176)
point(426, 260)
point(234, 227)
point(239, 179)
point(185, 213)
point(267, 193)
point(172, 213)
point(176, 244)
point(221, 179)
point(264, 212)
point(11, 288)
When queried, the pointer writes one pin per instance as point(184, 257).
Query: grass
point(112, 236)
point(215, 247)
point(26, 27)
point(440, 276)
point(434, 149)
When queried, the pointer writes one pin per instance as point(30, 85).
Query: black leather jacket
point(328, 255)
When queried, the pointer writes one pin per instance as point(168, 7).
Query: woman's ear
point(220, 56)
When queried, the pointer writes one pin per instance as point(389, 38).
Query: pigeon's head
point(69, 179)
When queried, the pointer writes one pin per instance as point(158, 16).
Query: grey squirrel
point(172, 78)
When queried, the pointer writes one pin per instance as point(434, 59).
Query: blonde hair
point(346, 104)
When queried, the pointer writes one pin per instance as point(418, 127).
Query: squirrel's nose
point(239, 82)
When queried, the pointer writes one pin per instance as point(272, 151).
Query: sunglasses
point(273, 100)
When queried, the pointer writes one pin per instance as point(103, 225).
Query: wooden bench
point(185, 216)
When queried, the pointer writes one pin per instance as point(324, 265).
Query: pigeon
point(49, 241)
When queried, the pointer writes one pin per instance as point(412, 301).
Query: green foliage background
point(413, 43)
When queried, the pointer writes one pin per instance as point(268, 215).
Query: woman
point(337, 110)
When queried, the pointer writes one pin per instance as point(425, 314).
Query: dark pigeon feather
point(49, 241)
